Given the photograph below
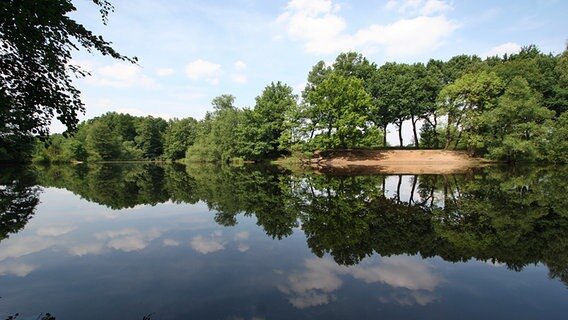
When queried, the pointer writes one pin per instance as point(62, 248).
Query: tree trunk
point(458, 140)
point(416, 142)
point(385, 135)
point(411, 200)
point(436, 139)
point(400, 133)
point(384, 184)
point(448, 134)
point(398, 188)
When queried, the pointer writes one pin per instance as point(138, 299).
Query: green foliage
point(406, 92)
point(37, 39)
point(260, 133)
point(179, 135)
point(557, 139)
point(110, 137)
point(16, 148)
point(215, 139)
point(517, 124)
point(336, 110)
point(464, 101)
point(559, 97)
point(149, 140)
point(19, 196)
point(101, 143)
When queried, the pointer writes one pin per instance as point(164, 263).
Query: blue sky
point(192, 51)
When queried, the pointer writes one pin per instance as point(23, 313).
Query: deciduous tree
point(37, 39)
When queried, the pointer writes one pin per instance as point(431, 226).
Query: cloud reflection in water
point(318, 283)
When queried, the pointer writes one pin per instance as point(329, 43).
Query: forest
point(510, 108)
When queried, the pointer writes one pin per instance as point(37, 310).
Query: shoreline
point(423, 161)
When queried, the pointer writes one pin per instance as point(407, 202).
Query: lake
point(142, 241)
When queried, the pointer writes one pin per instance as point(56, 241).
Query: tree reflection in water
point(514, 216)
point(19, 197)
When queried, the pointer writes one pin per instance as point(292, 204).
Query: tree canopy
point(37, 39)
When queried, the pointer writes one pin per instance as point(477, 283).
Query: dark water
point(170, 242)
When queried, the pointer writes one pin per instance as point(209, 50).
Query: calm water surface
point(175, 242)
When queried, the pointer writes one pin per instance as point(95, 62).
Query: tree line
point(506, 108)
point(510, 108)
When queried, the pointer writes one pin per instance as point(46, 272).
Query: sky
point(191, 51)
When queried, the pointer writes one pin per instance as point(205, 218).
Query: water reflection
point(19, 197)
point(383, 238)
point(514, 216)
point(322, 277)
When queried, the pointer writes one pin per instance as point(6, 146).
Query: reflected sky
point(80, 260)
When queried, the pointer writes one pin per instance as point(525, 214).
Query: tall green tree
point(338, 109)
point(559, 99)
point(353, 64)
point(149, 136)
point(396, 97)
point(179, 135)
point(262, 128)
point(101, 143)
point(557, 147)
point(433, 84)
point(37, 40)
point(463, 102)
point(316, 76)
point(517, 124)
point(216, 137)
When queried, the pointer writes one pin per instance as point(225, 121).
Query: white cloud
point(54, 231)
point(314, 22)
point(209, 244)
point(500, 50)
point(391, 4)
point(242, 247)
point(435, 6)
point(121, 75)
point(239, 78)
point(409, 5)
point(85, 249)
point(323, 30)
point(399, 272)
point(409, 298)
point(128, 239)
point(170, 243)
point(16, 269)
point(243, 235)
point(240, 65)
point(315, 285)
point(203, 70)
point(406, 36)
point(164, 72)
point(20, 247)
point(313, 7)
point(419, 7)
point(127, 244)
